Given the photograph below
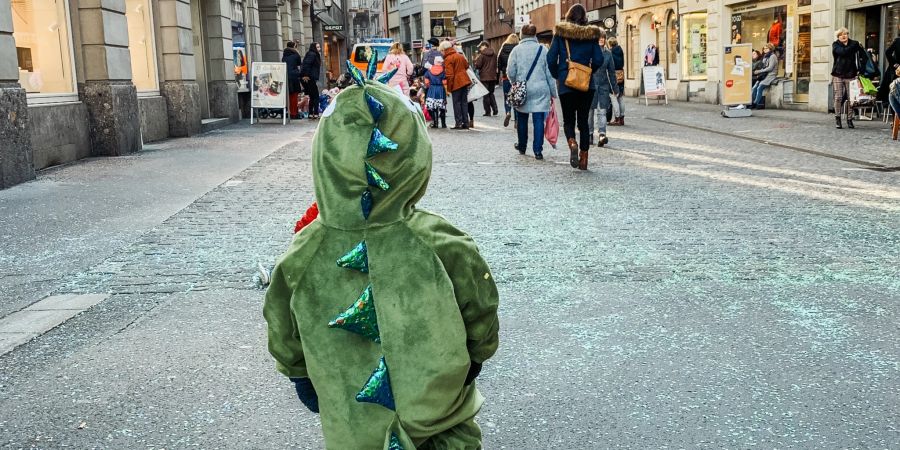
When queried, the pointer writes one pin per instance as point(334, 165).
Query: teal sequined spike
point(375, 107)
point(394, 443)
point(357, 259)
point(355, 74)
point(378, 388)
point(366, 202)
point(375, 178)
point(360, 317)
point(373, 64)
point(385, 77)
point(379, 143)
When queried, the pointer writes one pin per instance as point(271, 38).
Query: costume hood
point(371, 157)
point(569, 30)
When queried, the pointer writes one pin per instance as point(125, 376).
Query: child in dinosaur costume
point(381, 313)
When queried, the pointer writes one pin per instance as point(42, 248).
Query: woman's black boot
point(850, 122)
point(837, 122)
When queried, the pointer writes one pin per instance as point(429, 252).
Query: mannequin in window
point(651, 55)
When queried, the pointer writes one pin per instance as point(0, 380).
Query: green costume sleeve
point(473, 285)
point(284, 337)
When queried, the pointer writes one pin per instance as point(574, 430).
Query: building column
point(16, 164)
point(179, 72)
point(287, 32)
point(223, 99)
point(108, 92)
point(270, 30)
point(251, 30)
point(823, 26)
point(297, 22)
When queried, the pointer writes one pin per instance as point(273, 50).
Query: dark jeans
point(506, 87)
point(576, 107)
point(490, 103)
point(460, 107)
point(312, 90)
point(522, 129)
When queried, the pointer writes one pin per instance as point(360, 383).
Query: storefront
point(651, 37)
point(43, 42)
point(788, 26)
point(875, 25)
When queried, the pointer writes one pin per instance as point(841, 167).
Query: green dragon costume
point(388, 310)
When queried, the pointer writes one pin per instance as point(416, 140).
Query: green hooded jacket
point(435, 301)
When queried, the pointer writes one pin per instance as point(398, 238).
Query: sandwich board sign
point(737, 79)
point(269, 88)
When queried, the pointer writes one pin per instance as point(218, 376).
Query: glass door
point(804, 58)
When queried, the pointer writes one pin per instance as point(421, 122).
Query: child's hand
point(307, 393)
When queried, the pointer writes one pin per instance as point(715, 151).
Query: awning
point(470, 38)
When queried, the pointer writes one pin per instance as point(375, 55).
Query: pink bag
point(427, 115)
point(551, 125)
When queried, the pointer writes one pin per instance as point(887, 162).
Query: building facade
point(691, 35)
point(469, 26)
point(115, 74)
point(421, 20)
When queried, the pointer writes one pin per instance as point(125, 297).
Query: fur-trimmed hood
point(569, 30)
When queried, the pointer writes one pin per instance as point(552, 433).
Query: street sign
point(333, 27)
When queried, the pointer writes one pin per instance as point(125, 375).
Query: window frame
point(153, 92)
point(37, 98)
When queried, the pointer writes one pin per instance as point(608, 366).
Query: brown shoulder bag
point(579, 76)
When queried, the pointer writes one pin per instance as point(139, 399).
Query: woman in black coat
point(848, 57)
point(309, 75)
point(291, 57)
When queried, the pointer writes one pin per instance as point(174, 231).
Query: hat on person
point(434, 41)
point(440, 61)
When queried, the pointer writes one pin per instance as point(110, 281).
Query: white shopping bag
point(477, 90)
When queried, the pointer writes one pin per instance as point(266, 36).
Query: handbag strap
point(534, 63)
point(569, 53)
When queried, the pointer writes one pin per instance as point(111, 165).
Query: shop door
point(803, 52)
point(197, 15)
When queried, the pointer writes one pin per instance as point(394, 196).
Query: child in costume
point(380, 313)
point(436, 96)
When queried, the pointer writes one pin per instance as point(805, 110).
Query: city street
point(708, 282)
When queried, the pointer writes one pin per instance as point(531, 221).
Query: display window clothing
point(775, 33)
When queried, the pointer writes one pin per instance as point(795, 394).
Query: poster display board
point(269, 88)
point(738, 73)
point(654, 83)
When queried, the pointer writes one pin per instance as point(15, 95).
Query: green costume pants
point(465, 436)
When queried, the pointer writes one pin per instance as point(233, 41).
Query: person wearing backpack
point(527, 66)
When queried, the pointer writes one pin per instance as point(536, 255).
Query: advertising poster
point(269, 89)
point(738, 74)
point(239, 55)
point(654, 81)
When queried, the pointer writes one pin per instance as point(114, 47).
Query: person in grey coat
point(604, 85)
point(767, 73)
point(540, 88)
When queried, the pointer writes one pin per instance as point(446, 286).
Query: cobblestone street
point(709, 282)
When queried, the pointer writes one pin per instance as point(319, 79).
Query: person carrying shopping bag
point(528, 64)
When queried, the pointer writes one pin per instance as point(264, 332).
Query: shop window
point(43, 46)
point(672, 46)
point(760, 27)
point(442, 24)
point(693, 29)
point(140, 44)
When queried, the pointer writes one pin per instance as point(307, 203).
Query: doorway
point(803, 72)
point(198, 14)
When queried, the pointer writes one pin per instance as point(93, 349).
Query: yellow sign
point(738, 74)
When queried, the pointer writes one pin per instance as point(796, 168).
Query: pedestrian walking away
point(309, 75)
point(293, 61)
point(508, 45)
point(398, 59)
point(455, 66)
point(436, 95)
point(416, 287)
point(766, 75)
point(847, 54)
point(486, 65)
point(604, 83)
point(528, 64)
point(618, 56)
point(576, 41)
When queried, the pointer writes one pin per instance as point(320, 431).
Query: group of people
point(544, 73)
point(303, 77)
point(765, 70)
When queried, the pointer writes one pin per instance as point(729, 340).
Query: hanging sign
point(738, 74)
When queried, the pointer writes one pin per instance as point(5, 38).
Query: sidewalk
point(869, 144)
